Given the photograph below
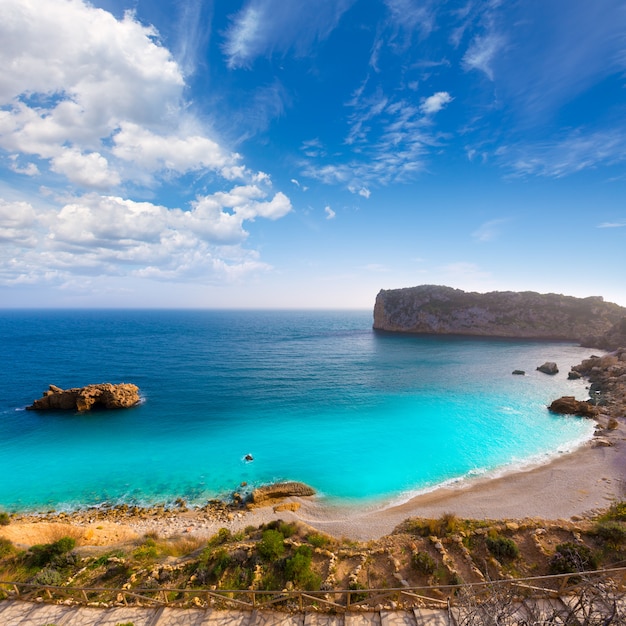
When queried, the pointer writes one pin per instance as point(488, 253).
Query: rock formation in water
point(432, 309)
point(272, 493)
point(549, 367)
point(105, 396)
point(568, 405)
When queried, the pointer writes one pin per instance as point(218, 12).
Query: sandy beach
point(574, 486)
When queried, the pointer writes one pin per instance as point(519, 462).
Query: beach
point(574, 486)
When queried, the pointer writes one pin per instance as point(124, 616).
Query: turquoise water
point(317, 397)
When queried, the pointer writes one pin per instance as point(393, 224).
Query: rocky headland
point(104, 395)
point(439, 310)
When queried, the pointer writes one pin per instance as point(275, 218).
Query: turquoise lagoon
point(366, 418)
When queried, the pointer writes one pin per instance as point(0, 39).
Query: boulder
point(568, 405)
point(549, 367)
point(519, 373)
point(573, 375)
point(105, 395)
point(278, 491)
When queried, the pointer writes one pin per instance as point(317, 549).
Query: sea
point(368, 419)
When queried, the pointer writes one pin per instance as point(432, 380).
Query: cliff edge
point(434, 309)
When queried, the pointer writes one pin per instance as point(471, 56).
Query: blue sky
point(298, 154)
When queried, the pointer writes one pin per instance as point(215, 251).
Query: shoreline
point(574, 486)
point(571, 487)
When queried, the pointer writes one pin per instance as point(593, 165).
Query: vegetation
point(5, 518)
point(424, 563)
point(502, 548)
point(572, 557)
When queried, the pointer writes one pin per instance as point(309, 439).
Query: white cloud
point(113, 236)
point(481, 53)
point(612, 225)
point(330, 214)
point(263, 27)
point(99, 99)
point(436, 102)
point(89, 101)
point(488, 231)
point(565, 155)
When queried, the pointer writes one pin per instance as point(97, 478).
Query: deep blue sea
point(317, 397)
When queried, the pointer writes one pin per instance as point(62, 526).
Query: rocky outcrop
point(568, 405)
point(271, 493)
point(433, 309)
point(549, 367)
point(607, 375)
point(81, 399)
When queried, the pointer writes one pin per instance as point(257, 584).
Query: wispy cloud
point(330, 214)
point(481, 53)
point(563, 156)
point(489, 230)
point(264, 27)
point(612, 224)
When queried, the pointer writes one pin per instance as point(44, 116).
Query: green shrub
point(147, 551)
point(5, 518)
point(48, 576)
point(223, 536)
point(424, 563)
point(612, 532)
point(617, 511)
point(212, 565)
point(318, 540)
point(502, 548)
point(287, 530)
point(43, 554)
point(6, 547)
point(572, 557)
point(271, 546)
point(298, 569)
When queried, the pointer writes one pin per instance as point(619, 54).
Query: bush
point(298, 569)
point(318, 540)
point(5, 518)
point(502, 548)
point(287, 530)
point(48, 576)
point(223, 536)
point(424, 563)
point(212, 565)
point(617, 511)
point(271, 546)
point(6, 547)
point(572, 557)
point(43, 554)
point(612, 532)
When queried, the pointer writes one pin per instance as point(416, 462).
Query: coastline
point(571, 487)
point(574, 486)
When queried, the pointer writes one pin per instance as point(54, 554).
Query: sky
point(306, 154)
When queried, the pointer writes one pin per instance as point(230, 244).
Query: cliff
point(105, 395)
point(438, 310)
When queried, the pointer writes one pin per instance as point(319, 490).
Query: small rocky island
point(104, 395)
point(434, 309)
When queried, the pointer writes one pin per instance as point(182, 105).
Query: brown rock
point(549, 367)
point(278, 491)
point(105, 395)
point(568, 405)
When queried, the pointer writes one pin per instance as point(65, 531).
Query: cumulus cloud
point(92, 103)
point(95, 234)
point(99, 99)
point(436, 102)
